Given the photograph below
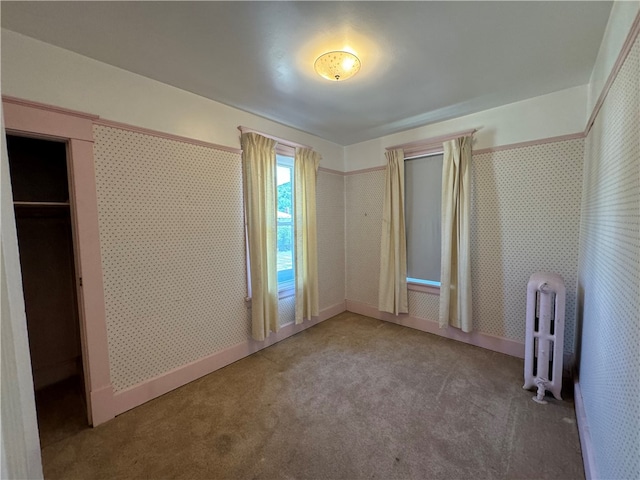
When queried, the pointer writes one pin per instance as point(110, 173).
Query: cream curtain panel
point(259, 163)
point(455, 269)
point(306, 248)
point(392, 291)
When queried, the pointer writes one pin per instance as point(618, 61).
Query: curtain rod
point(281, 141)
point(429, 141)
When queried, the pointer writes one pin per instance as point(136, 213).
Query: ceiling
point(422, 62)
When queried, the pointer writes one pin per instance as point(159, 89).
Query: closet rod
point(41, 204)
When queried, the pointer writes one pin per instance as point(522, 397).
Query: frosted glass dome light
point(337, 65)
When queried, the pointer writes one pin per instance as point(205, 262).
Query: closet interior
point(40, 186)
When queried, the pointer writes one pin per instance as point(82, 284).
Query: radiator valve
point(541, 383)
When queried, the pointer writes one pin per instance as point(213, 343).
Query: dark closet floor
point(61, 411)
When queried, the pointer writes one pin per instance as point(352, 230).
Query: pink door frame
point(33, 119)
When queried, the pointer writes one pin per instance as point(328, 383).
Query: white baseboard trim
point(585, 434)
point(497, 344)
point(148, 390)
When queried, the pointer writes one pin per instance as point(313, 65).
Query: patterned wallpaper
point(171, 235)
point(286, 310)
point(609, 278)
point(525, 218)
point(364, 193)
point(331, 237)
point(173, 251)
point(422, 305)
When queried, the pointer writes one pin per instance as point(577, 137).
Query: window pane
point(285, 199)
point(285, 253)
point(285, 219)
point(423, 200)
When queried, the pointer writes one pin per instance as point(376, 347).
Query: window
point(423, 200)
point(285, 227)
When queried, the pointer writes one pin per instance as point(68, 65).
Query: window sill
point(423, 286)
point(286, 292)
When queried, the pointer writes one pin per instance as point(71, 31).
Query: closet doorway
point(41, 195)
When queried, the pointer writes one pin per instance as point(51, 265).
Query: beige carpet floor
point(351, 398)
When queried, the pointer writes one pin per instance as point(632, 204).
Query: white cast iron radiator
point(545, 334)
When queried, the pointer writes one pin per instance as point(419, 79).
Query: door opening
point(42, 207)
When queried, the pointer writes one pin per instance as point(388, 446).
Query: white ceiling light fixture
point(337, 65)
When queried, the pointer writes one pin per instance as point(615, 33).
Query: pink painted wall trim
point(585, 434)
point(50, 108)
point(89, 265)
point(542, 141)
point(622, 56)
point(25, 117)
point(281, 141)
point(430, 142)
point(77, 129)
point(152, 388)
point(421, 151)
point(328, 170)
point(366, 170)
point(430, 289)
point(102, 404)
point(497, 344)
point(170, 136)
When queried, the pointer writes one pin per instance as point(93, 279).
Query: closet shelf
point(41, 204)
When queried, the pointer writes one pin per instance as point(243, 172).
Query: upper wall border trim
point(622, 56)
point(329, 170)
point(365, 170)
point(49, 108)
point(168, 136)
point(428, 142)
point(110, 123)
point(282, 141)
point(542, 141)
